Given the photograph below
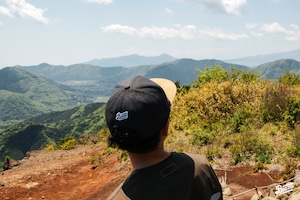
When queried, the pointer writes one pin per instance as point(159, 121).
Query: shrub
point(275, 102)
point(292, 112)
point(122, 156)
point(50, 147)
point(7, 163)
point(289, 78)
point(246, 144)
point(69, 144)
point(201, 137)
point(215, 73)
point(213, 153)
point(289, 170)
point(109, 150)
point(238, 154)
point(239, 119)
point(263, 157)
point(259, 166)
point(92, 159)
point(295, 148)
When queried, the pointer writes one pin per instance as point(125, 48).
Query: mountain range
point(48, 96)
point(131, 60)
point(27, 91)
point(254, 61)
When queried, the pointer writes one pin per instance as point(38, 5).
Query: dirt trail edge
point(69, 174)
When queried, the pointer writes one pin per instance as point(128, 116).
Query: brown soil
point(67, 175)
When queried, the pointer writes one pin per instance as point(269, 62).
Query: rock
point(297, 180)
point(31, 185)
point(295, 196)
point(227, 192)
point(269, 198)
point(257, 196)
point(283, 196)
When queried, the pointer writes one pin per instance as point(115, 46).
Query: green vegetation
point(224, 111)
point(68, 143)
point(57, 130)
point(24, 95)
point(235, 112)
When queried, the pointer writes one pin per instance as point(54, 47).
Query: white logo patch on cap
point(122, 116)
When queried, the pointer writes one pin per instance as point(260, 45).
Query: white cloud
point(5, 11)
point(275, 28)
point(117, 28)
point(219, 34)
point(256, 34)
point(294, 26)
point(185, 32)
point(99, 1)
point(188, 32)
point(291, 32)
point(169, 11)
point(251, 25)
point(232, 7)
point(23, 9)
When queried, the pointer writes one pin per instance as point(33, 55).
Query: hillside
point(275, 69)
point(35, 133)
point(242, 106)
point(80, 75)
point(24, 94)
point(50, 175)
point(248, 129)
point(184, 70)
point(99, 81)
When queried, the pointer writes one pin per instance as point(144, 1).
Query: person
point(137, 115)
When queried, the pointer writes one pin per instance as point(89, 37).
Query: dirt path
point(67, 175)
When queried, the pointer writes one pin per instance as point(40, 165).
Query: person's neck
point(142, 160)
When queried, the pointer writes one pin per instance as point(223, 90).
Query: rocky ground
point(66, 175)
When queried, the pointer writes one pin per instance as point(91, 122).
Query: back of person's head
point(137, 111)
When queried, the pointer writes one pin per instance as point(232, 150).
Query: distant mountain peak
point(254, 61)
point(131, 60)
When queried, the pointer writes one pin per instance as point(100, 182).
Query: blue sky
point(68, 32)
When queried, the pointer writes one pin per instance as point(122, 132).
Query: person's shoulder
point(197, 158)
point(118, 194)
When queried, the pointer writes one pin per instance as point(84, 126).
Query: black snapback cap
point(140, 105)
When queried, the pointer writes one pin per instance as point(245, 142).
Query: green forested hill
point(181, 69)
point(275, 69)
point(24, 94)
point(184, 70)
point(102, 79)
point(37, 132)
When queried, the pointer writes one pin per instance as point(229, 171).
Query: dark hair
point(131, 141)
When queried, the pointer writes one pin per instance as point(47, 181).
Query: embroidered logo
point(122, 116)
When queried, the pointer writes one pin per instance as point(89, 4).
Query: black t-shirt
point(179, 177)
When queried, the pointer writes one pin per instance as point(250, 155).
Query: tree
point(289, 79)
point(215, 73)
